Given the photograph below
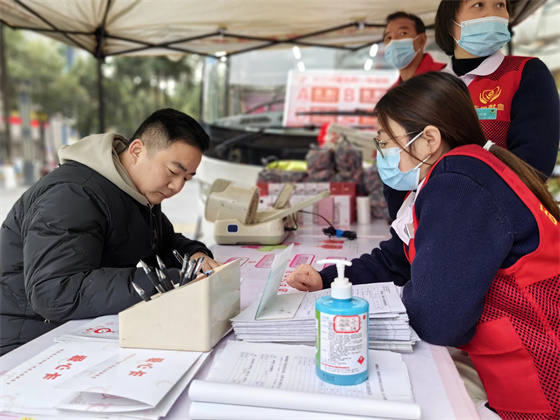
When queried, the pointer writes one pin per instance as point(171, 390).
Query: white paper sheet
point(123, 379)
point(283, 376)
point(211, 411)
point(139, 378)
point(96, 402)
point(104, 328)
point(274, 306)
point(32, 386)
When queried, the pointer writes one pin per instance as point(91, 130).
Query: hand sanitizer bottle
point(342, 332)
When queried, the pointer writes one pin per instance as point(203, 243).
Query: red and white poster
point(328, 92)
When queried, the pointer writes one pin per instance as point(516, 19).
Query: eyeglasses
point(379, 143)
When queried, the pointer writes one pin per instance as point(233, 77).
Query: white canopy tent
point(215, 27)
point(116, 27)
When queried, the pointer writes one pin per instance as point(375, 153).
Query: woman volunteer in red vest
point(516, 98)
point(475, 247)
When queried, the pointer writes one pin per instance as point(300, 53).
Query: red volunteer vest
point(516, 346)
point(492, 96)
point(427, 64)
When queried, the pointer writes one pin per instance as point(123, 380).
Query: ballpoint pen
point(183, 267)
point(161, 265)
point(153, 278)
point(141, 292)
point(178, 256)
point(197, 268)
point(164, 280)
point(187, 275)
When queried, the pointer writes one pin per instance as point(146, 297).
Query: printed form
point(280, 376)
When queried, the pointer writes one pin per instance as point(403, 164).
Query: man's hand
point(305, 278)
point(208, 263)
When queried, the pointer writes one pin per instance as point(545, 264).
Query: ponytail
point(530, 177)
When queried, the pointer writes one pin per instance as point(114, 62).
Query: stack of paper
point(277, 381)
point(74, 380)
point(288, 318)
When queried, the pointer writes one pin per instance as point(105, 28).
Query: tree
point(6, 143)
point(145, 84)
point(134, 86)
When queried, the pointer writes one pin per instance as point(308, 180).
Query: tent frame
point(101, 36)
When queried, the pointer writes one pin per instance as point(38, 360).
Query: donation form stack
point(290, 317)
point(388, 322)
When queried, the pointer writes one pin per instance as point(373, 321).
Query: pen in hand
point(153, 278)
point(141, 292)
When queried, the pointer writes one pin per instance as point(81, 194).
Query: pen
point(208, 272)
point(178, 256)
point(197, 268)
point(141, 292)
point(162, 266)
point(188, 273)
point(166, 283)
point(184, 267)
point(153, 278)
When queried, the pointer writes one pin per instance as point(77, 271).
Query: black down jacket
point(69, 249)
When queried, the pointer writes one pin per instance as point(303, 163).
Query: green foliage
point(133, 86)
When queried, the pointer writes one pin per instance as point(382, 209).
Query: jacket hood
point(100, 152)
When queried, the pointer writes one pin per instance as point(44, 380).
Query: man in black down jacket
point(70, 245)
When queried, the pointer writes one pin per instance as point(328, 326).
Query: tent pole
point(100, 95)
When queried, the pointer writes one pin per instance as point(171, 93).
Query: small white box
point(342, 210)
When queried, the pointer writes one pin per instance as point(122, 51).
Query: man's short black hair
point(420, 27)
point(167, 126)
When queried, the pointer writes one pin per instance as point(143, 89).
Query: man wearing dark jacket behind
point(70, 245)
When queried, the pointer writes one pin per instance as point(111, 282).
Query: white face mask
point(483, 37)
point(400, 52)
point(391, 175)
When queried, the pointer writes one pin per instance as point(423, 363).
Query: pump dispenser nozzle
point(341, 288)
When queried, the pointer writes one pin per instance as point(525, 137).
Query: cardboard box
point(193, 317)
point(340, 210)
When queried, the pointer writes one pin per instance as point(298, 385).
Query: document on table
point(271, 305)
point(384, 301)
point(280, 378)
point(98, 376)
point(389, 326)
point(104, 328)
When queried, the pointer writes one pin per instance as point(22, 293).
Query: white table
point(436, 384)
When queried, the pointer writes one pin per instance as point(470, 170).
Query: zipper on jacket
point(152, 227)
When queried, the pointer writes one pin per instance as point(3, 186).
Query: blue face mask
point(391, 175)
point(484, 36)
point(400, 52)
